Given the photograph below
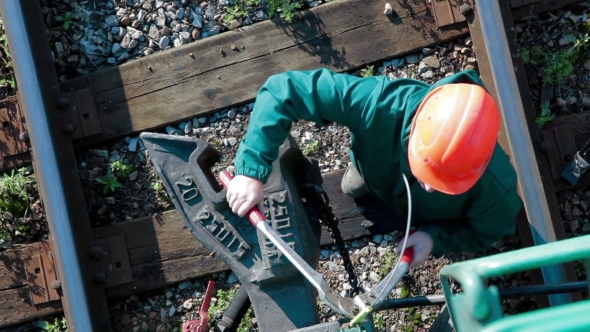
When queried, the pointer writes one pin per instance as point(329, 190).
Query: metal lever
point(201, 325)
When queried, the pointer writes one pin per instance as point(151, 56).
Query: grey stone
point(164, 42)
point(431, 61)
point(111, 20)
point(412, 58)
point(154, 33)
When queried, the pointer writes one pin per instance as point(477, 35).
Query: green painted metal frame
point(478, 308)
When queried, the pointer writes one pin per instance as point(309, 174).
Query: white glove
point(422, 244)
point(243, 193)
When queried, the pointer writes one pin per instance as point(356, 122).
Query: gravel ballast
point(89, 35)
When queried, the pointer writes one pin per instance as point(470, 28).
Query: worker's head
point(453, 137)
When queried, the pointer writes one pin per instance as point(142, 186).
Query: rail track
point(71, 272)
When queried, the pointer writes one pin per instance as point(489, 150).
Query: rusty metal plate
point(447, 12)
point(115, 261)
point(40, 276)
point(12, 129)
point(443, 12)
point(87, 111)
point(562, 148)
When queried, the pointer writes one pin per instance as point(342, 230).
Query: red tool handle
point(408, 254)
point(254, 215)
point(207, 299)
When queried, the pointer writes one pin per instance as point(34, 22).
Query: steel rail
point(55, 166)
point(510, 103)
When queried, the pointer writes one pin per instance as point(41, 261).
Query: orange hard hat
point(453, 137)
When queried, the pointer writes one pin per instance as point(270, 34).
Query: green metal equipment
point(478, 308)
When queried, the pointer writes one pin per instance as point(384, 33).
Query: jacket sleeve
point(320, 96)
point(477, 233)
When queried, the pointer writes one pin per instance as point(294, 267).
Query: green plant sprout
point(379, 322)
point(58, 325)
point(545, 116)
point(224, 299)
point(368, 71)
point(66, 19)
point(311, 148)
point(121, 169)
point(110, 182)
point(281, 8)
point(5, 56)
point(14, 198)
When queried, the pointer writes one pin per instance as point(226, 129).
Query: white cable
point(408, 223)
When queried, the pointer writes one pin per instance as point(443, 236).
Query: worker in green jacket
point(443, 137)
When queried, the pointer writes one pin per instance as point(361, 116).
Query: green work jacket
point(379, 114)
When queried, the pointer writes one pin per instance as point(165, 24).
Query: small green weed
point(545, 116)
point(66, 19)
point(157, 186)
point(58, 325)
point(417, 318)
point(379, 322)
point(554, 66)
point(159, 191)
point(14, 198)
point(121, 169)
point(405, 291)
point(368, 71)
point(311, 148)
point(282, 8)
point(110, 182)
point(224, 299)
point(388, 264)
point(13, 192)
point(407, 328)
point(8, 79)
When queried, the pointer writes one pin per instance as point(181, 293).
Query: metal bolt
point(24, 136)
point(62, 102)
point(56, 284)
point(465, 9)
point(100, 277)
point(96, 252)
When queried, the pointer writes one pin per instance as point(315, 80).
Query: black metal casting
point(282, 298)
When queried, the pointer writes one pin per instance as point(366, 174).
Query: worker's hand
point(422, 244)
point(243, 193)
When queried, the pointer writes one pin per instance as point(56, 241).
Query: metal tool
point(373, 299)
point(342, 305)
point(357, 308)
point(201, 325)
point(579, 166)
